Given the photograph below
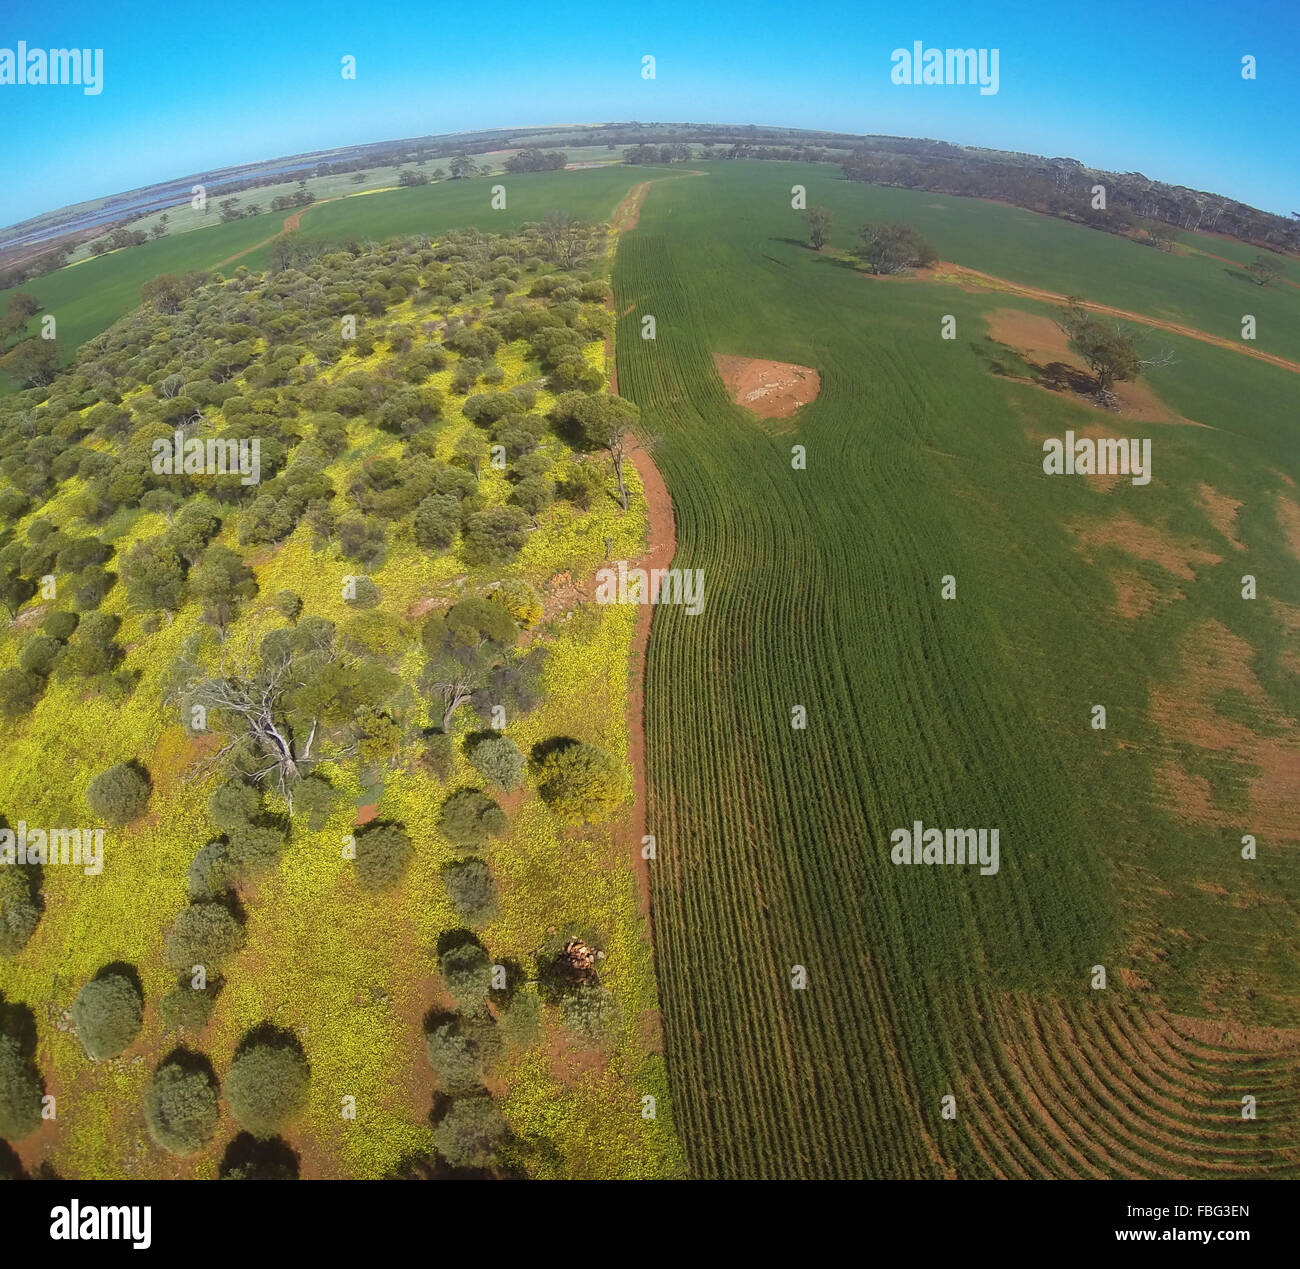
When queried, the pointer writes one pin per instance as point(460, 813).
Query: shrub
point(498, 759)
point(19, 913)
point(21, 1089)
point(891, 248)
point(288, 604)
point(38, 655)
point(60, 624)
point(254, 848)
point(591, 1013)
point(471, 1133)
point(582, 783)
point(180, 1107)
point(474, 622)
point(118, 794)
point(185, 1009)
point(211, 872)
point(233, 805)
point(266, 1087)
point(314, 798)
point(204, 934)
point(107, 1013)
point(469, 817)
point(437, 521)
point(440, 754)
point(466, 972)
point(495, 534)
point(19, 692)
point(365, 594)
point(383, 856)
point(520, 600)
point(462, 1051)
point(472, 890)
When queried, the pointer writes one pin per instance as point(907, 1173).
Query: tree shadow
point(191, 1061)
point(19, 1023)
point(268, 1035)
point(454, 940)
point(438, 1017)
point(11, 1166)
point(543, 749)
point(122, 969)
point(422, 1166)
point(271, 1160)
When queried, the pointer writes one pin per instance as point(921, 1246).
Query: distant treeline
point(1060, 187)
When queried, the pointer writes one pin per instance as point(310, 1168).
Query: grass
point(824, 590)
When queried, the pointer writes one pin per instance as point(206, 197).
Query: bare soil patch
point(1288, 515)
point(1134, 595)
point(1145, 542)
point(1290, 618)
point(770, 389)
point(1222, 511)
point(1215, 663)
point(1043, 344)
point(975, 281)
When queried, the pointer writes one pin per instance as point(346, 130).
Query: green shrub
point(466, 972)
point(469, 817)
point(365, 594)
point(472, 890)
point(498, 759)
point(582, 783)
point(383, 856)
point(462, 1052)
point(180, 1108)
point(185, 1009)
point(39, 655)
point(471, 1133)
point(437, 521)
point(60, 624)
point(211, 873)
point(21, 1090)
point(254, 848)
point(266, 1087)
point(591, 1013)
point(119, 794)
point(288, 604)
point(19, 913)
point(440, 754)
point(314, 799)
point(107, 1014)
point(19, 692)
point(204, 934)
point(234, 804)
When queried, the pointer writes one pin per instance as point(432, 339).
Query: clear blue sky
point(1150, 85)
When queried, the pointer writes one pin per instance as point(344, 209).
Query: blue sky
point(1149, 86)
